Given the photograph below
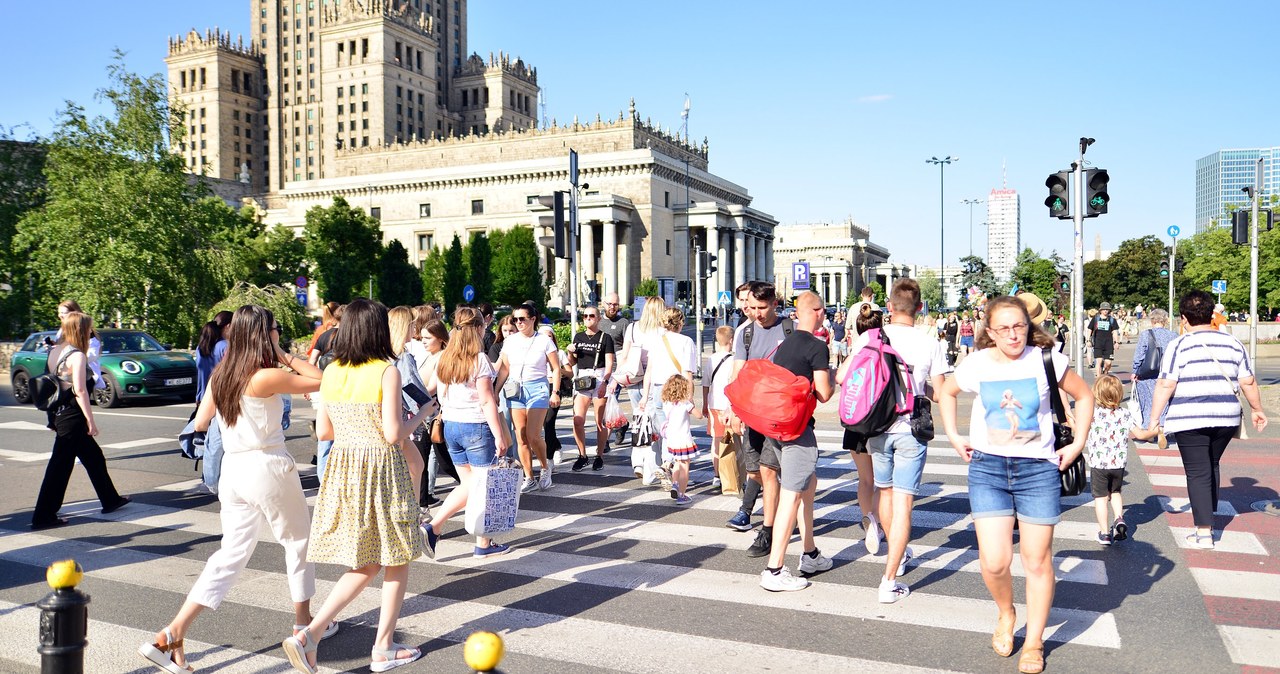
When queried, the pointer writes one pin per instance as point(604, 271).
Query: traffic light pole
point(1077, 273)
point(697, 304)
point(1253, 264)
point(573, 261)
point(1173, 257)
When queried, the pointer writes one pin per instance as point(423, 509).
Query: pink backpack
point(877, 387)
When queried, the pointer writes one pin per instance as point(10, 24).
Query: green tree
point(343, 245)
point(278, 298)
point(455, 275)
point(281, 257)
point(398, 282)
point(124, 230)
point(22, 189)
point(480, 266)
point(1035, 274)
point(976, 274)
point(646, 288)
point(930, 290)
point(517, 276)
point(432, 274)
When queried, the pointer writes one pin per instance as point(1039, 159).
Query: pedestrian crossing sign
point(723, 298)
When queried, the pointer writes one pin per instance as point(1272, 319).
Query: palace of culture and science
point(380, 102)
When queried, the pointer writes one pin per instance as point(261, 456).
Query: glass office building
point(1221, 176)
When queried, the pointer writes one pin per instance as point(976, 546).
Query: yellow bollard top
point(65, 574)
point(483, 651)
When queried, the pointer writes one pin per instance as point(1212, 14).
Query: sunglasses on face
point(590, 316)
point(521, 319)
point(275, 328)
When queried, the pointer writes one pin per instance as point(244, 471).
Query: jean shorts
point(898, 462)
point(469, 444)
point(533, 395)
point(1001, 486)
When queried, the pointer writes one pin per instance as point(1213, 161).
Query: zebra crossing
point(604, 575)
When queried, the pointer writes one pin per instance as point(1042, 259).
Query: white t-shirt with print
point(661, 366)
point(1012, 415)
point(460, 403)
point(925, 356)
point(721, 365)
point(527, 356)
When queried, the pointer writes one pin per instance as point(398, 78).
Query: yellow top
point(358, 384)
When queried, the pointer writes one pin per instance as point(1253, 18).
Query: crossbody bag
point(1241, 432)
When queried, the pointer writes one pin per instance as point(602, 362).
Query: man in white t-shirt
point(897, 456)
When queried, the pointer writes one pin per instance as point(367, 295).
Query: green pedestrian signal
point(1059, 192)
point(1164, 269)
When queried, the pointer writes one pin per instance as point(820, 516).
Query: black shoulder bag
point(1074, 477)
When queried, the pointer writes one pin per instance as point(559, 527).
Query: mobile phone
point(416, 393)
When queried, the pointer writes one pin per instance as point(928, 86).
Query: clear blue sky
point(826, 109)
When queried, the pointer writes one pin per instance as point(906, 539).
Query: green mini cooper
point(134, 366)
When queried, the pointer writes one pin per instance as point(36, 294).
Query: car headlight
point(131, 366)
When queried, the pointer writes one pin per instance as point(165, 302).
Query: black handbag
point(1149, 368)
point(922, 419)
point(48, 391)
point(584, 384)
point(1075, 476)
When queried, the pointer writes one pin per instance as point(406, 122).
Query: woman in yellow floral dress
point(366, 513)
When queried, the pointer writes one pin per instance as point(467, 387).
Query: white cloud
point(875, 98)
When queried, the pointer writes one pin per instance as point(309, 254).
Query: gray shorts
point(798, 459)
point(757, 451)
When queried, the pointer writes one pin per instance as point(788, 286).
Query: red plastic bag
point(772, 400)
point(613, 416)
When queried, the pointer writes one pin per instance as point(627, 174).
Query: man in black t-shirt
point(1100, 328)
point(806, 356)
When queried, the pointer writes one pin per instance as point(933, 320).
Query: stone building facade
point(842, 260)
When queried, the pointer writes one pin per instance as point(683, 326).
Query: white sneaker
point(528, 485)
point(872, 527)
point(907, 556)
point(715, 483)
point(556, 458)
point(891, 591)
point(815, 564)
point(781, 581)
point(544, 479)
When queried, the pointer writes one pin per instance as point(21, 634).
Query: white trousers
point(258, 487)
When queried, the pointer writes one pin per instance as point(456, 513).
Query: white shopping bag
point(494, 498)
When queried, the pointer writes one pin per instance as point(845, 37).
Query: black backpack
point(48, 392)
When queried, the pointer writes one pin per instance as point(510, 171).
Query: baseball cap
point(1219, 308)
point(1105, 306)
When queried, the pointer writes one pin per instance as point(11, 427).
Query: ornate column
point(739, 258)
point(624, 266)
point(609, 258)
point(725, 245)
point(753, 273)
point(763, 273)
point(587, 256)
point(772, 273)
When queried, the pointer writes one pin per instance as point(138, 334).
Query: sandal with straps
point(1032, 660)
point(161, 655)
point(392, 661)
point(297, 651)
point(1002, 640)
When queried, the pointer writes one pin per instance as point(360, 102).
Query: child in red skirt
point(677, 405)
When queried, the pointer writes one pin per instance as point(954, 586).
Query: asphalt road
point(605, 576)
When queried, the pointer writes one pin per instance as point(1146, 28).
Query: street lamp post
point(942, 218)
point(971, 203)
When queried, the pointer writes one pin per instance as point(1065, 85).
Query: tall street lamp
point(942, 216)
point(971, 203)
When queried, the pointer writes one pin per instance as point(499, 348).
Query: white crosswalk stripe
point(606, 540)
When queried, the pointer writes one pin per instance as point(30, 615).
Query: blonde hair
point(76, 327)
point(672, 319)
point(651, 316)
point(677, 389)
point(724, 335)
point(458, 360)
point(1108, 392)
point(400, 322)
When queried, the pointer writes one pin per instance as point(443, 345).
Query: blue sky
point(827, 109)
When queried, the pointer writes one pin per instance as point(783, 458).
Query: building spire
point(1004, 175)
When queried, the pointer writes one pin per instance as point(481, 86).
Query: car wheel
point(22, 387)
point(108, 396)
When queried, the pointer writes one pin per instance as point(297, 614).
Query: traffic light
point(1240, 228)
point(682, 290)
point(1059, 199)
point(1178, 265)
point(1095, 192)
point(559, 241)
point(1064, 284)
point(708, 263)
point(1164, 268)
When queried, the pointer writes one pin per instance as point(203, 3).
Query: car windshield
point(129, 342)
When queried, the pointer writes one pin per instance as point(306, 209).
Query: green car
point(134, 366)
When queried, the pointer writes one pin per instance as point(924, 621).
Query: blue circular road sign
point(468, 293)
point(301, 281)
point(1174, 231)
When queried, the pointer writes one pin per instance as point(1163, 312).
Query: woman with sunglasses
point(1013, 466)
point(259, 483)
point(534, 362)
point(592, 354)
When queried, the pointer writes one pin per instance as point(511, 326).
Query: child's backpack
point(877, 388)
point(772, 400)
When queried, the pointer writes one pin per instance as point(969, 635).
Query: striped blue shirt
point(1206, 365)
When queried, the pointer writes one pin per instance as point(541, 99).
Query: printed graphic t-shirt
point(1011, 413)
point(1102, 329)
point(1108, 444)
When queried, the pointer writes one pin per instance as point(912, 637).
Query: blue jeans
point(533, 395)
point(470, 444)
point(898, 462)
point(322, 457)
point(1002, 486)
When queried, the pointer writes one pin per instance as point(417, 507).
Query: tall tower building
point(1004, 231)
point(1221, 175)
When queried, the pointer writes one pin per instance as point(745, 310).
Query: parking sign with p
point(800, 275)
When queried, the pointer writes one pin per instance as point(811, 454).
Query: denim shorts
point(533, 395)
point(1001, 486)
point(898, 462)
point(469, 444)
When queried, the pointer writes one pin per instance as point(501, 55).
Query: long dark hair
point(209, 336)
point(249, 349)
point(365, 335)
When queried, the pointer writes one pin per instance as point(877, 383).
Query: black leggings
point(1201, 451)
point(72, 442)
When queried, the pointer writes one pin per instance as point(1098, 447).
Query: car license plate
point(181, 381)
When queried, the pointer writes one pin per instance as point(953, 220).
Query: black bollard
point(64, 624)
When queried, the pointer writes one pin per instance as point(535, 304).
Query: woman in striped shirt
point(1200, 377)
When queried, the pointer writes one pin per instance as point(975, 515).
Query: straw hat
point(1035, 307)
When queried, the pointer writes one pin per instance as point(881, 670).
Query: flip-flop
point(161, 656)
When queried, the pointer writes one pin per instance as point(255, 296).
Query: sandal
point(1032, 660)
point(1002, 640)
point(392, 661)
point(161, 655)
point(1202, 541)
point(297, 651)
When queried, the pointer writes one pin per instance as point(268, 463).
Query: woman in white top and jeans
point(670, 354)
point(475, 435)
point(259, 483)
point(534, 362)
